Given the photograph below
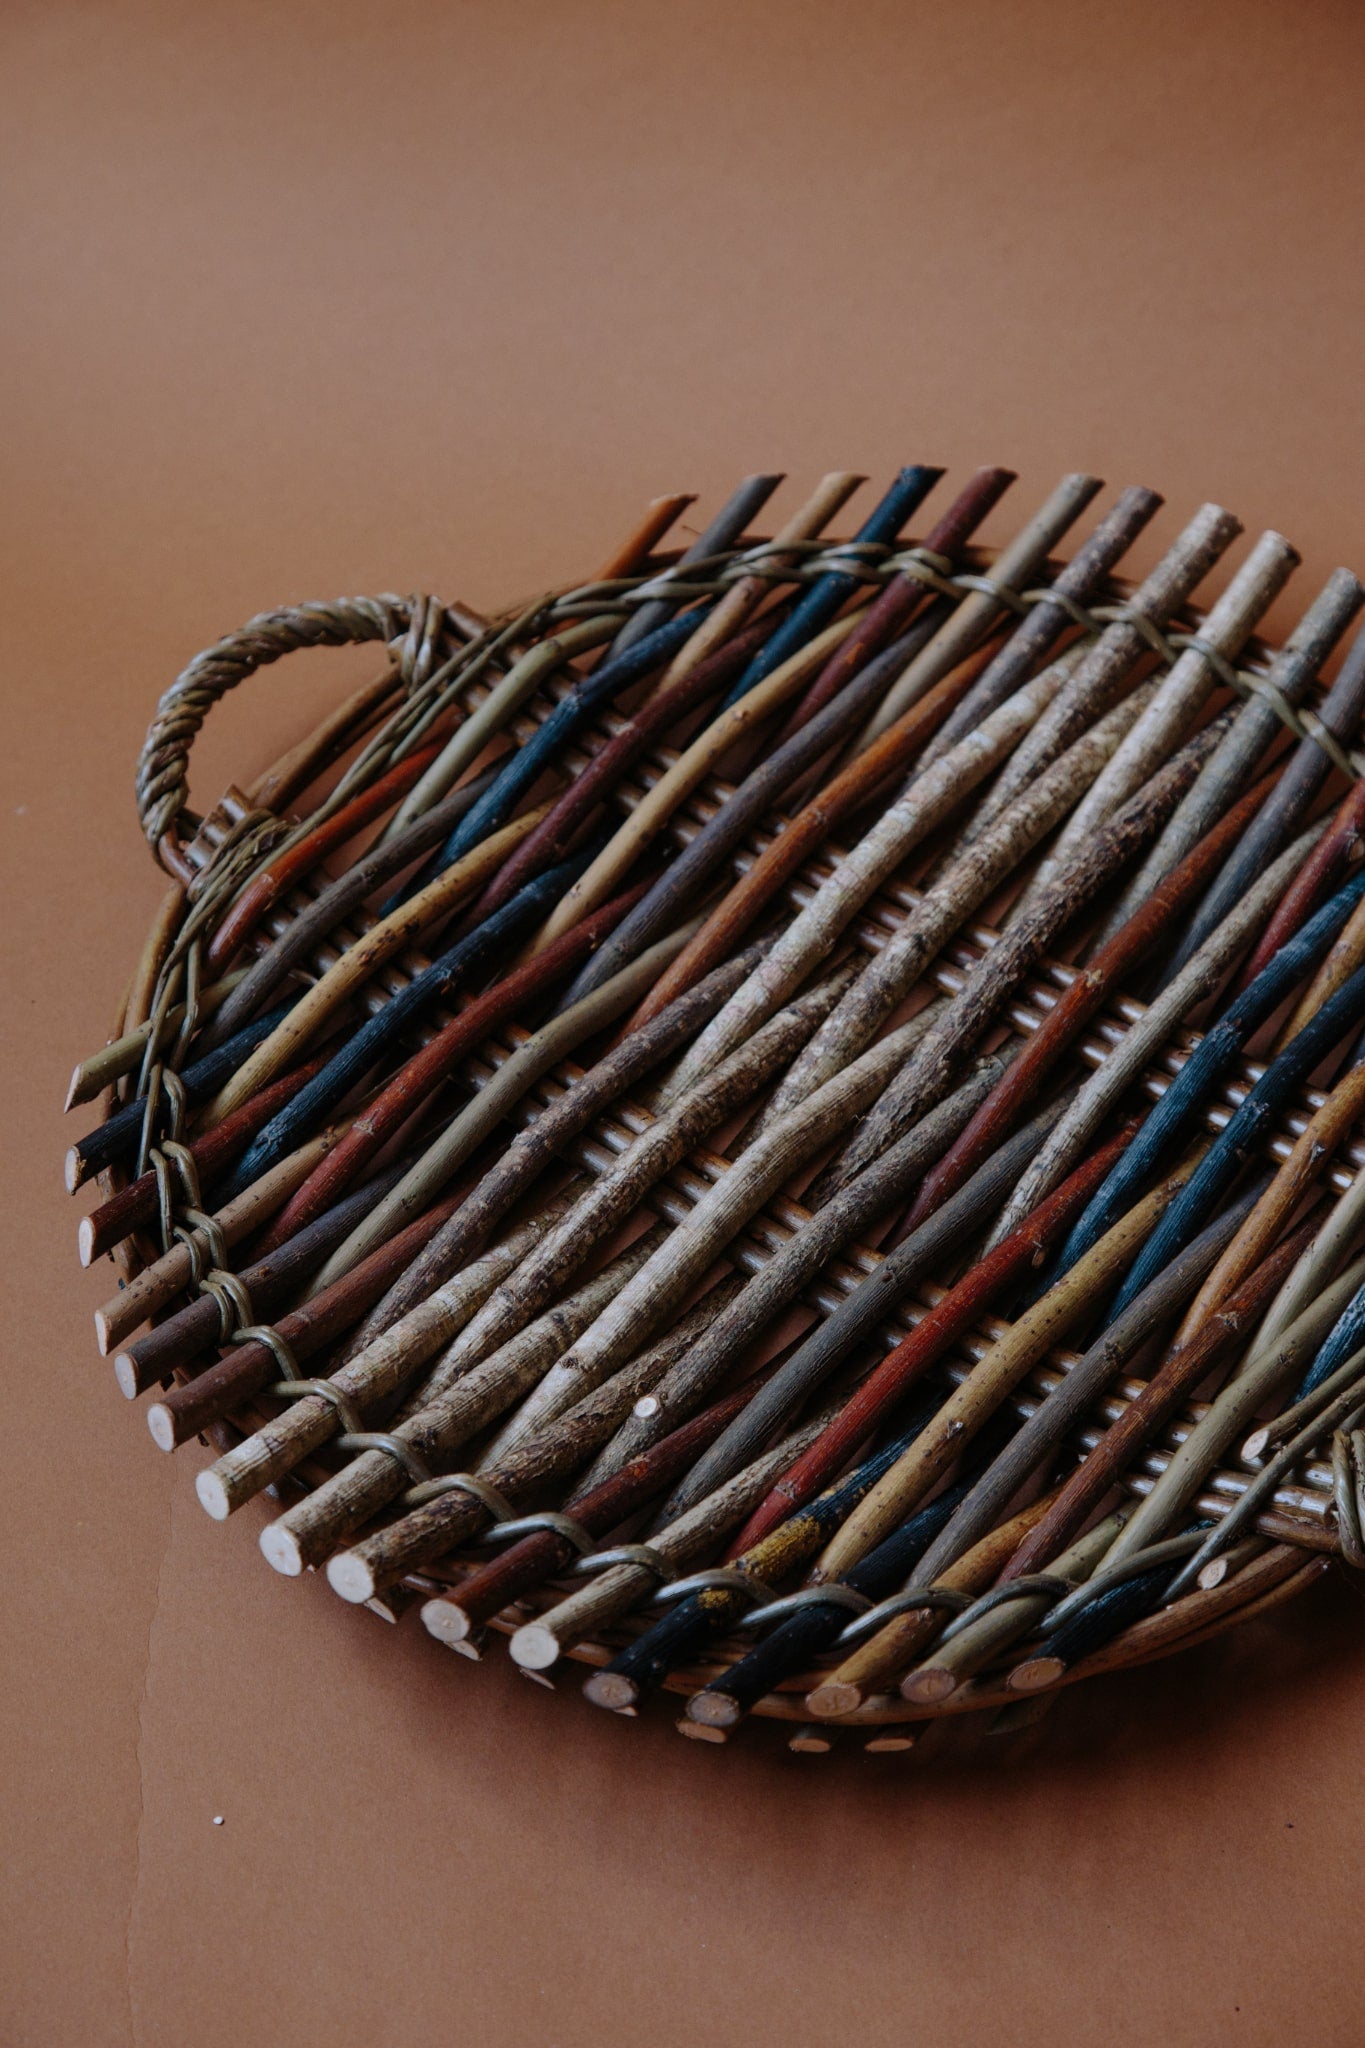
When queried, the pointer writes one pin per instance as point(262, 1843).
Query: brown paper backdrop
point(302, 299)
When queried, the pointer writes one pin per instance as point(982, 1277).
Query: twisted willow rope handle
point(163, 765)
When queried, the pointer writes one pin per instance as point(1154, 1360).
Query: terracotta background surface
point(301, 299)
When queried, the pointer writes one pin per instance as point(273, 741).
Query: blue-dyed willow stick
point(830, 591)
point(546, 746)
point(433, 985)
point(118, 1137)
point(1307, 769)
point(725, 529)
point(1089, 1625)
point(1238, 1141)
point(812, 1627)
point(1183, 1100)
point(695, 1618)
point(1345, 1337)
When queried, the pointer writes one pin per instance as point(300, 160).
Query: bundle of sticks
point(782, 1123)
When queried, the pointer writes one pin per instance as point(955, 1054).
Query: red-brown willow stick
point(1018, 1087)
point(927, 1342)
point(1339, 848)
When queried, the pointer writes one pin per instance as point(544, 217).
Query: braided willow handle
point(163, 765)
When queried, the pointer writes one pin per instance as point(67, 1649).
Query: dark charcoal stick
point(829, 591)
point(722, 533)
point(117, 1139)
point(1172, 1117)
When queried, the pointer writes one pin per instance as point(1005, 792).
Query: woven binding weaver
point(781, 1123)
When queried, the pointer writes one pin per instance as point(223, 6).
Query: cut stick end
point(1213, 1574)
point(1254, 1447)
point(713, 1710)
point(86, 1250)
point(103, 1333)
point(538, 1678)
point(213, 1495)
point(698, 1731)
point(73, 1093)
point(1035, 1675)
point(534, 1647)
point(929, 1685)
point(810, 1742)
point(829, 1701)
point(282, 1552)
point(350, 1576)
point(611, 1690)
point(71, 1171)
point(125, 1372)
point(447, 1622)
point(889, 1745)
point(160, 1426)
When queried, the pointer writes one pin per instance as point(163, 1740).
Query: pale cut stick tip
point(347, 1574)
point(931, 1684)
point(889, 1745)
point(1255, 1444)
point(281, 1551)
point(534, 1647)
point(538, 1678)
point(1035, 1674)
point(74, 1094)
point(444, 1620)
point(125, 1372)
point(830, 1701)
point(160, 1427)
point(71, 1170)
point(712, 1710)
point(213, 1495)
point(611, 1690)
point(810, 1742)
point(85, 1241)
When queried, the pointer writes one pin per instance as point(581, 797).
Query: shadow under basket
point(613, 996)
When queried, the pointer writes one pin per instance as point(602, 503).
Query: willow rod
point(971, 1404)
point(927, 1075)
point(1108, 668)
point(1185, 1365)
point(720, 534)
point(816, 930)
point(533, 1150)
point(1180, 695)
point(1257, 724)
point(916, 1354)
point(433, 1526)
point(889, 614)
point(1144, 1039)
point(1307, 769)
point(1022, 558)
point(1076, 1006)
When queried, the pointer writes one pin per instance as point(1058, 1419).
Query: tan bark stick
point(433, 1527)
point(972, 1404)
point(314, 1526)
point(740, 599)
point(868, 1668)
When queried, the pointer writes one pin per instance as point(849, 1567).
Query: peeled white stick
point(1187, 684)
point(810, 937)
